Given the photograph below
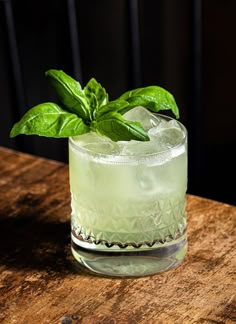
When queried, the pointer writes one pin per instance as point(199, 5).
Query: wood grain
point(40, 282)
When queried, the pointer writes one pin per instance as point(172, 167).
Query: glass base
point(129, 261)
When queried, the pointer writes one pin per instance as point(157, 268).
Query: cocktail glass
point(128, 200)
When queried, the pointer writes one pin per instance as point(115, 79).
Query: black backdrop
point(185, 46)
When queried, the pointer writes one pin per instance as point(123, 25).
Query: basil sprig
point(83, 110)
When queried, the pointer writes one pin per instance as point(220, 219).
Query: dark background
point(185, 46)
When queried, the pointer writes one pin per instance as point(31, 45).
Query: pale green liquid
point(138, 204)
point(128, 203)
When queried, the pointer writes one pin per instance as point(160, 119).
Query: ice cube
point(167, 133)
point(90, 137)
point(136, 148)
point(96, 143)
point(146, 181)
point(142, 115)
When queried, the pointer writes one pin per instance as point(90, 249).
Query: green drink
point(128, 199)
point(128, 174)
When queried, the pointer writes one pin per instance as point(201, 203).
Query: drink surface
point(130, 192)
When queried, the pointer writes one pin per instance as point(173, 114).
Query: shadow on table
point(34, 244)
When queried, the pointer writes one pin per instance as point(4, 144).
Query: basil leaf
point(115, 105)
point(96, 94)
point(114, 126)
point(50, 120)
point(153, 98)
point(70, 94)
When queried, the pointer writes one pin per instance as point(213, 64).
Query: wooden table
point(39, 282)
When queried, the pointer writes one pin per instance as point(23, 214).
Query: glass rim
point(127, 157)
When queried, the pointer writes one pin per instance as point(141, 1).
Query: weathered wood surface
point(39, 282)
